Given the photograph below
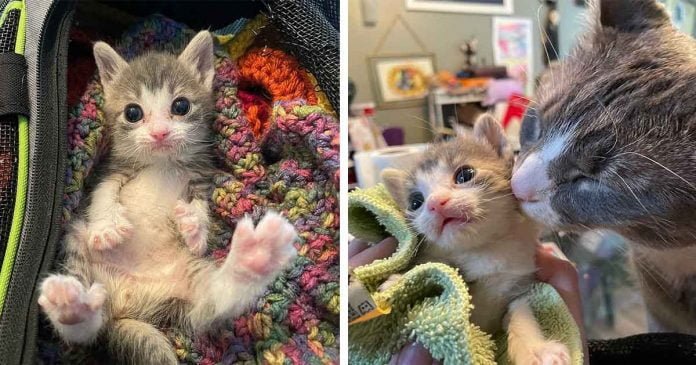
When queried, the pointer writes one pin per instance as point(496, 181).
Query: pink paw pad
point(66, 300)
point(107, 233)
point(191, 228)
point(263, 250)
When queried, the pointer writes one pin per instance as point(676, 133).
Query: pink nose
point(159, 135)
point(530, 179)
point(437, 204)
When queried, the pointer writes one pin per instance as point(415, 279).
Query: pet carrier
point(277, 142)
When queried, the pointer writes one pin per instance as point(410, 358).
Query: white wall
point(572, 24)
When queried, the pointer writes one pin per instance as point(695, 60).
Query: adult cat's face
point(611, 139)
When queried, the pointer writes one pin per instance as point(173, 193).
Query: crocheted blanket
point(277, 138)
point(431, 302)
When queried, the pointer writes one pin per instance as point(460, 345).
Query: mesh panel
point(8, 142)
point(312, 39)
point(330, 10)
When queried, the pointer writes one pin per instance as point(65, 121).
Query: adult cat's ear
point(488, 130)
point(395, 182)
point(109, 63)
point(632, 15)
point(198, 57)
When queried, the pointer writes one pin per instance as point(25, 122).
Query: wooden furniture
point(442, 107)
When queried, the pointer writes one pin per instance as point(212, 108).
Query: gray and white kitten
point(134, 262)
point(458, 196)
point(610, 143)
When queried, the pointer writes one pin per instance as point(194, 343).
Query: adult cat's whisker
point(660, 165)
point(530, 100)
point(625, 250)
point(544, 36)
point(496, 198)
point(652, 216)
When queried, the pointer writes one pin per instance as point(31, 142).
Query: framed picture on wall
point(513, 48)
point(401, 80)
point(462, 6)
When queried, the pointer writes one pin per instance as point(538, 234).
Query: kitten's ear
point(632, 15)
point(109, 63)
point(198, 57)
point(488, 130)
point(395, 182)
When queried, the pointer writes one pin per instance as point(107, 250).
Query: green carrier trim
point(22, 166)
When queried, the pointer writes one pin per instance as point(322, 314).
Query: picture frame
point(401, 80)
point(462, 6)
point(513, 48)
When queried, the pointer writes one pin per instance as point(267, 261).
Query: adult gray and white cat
point(611, 143)
point(133, 262)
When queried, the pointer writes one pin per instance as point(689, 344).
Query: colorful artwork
point(513, 48)
point(401, 79)
point(407, 81)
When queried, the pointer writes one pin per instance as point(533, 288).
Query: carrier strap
point(14, 97)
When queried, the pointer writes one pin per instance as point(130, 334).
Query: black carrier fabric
point(312, 37)
point(8, 141)
point(648, 349)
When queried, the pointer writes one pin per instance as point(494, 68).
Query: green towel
point(431, 303)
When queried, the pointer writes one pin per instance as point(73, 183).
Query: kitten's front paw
point(265, 251)
point(192, 227)
point(106, 233)
point(74, 311)
point(546, 353)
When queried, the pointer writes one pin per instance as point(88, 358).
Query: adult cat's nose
point(530, 179)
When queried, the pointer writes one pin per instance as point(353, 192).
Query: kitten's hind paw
point(546, 353)
point(74, 311)
point(192, 222)
point(264, 251)
point(106, 233)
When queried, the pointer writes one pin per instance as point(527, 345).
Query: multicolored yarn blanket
point(278, 140)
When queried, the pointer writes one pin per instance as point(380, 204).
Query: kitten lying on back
point(459, 198)
point(134, 261)
point(610, 143)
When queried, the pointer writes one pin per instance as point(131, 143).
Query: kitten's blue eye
point(415, 200)
point(464, 174)
point(181, 106)
point(133, 113)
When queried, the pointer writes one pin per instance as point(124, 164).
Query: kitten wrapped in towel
point(459, 197)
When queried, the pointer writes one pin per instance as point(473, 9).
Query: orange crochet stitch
point(279, 75)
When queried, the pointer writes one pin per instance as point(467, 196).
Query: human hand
point(562, 276)
point(360, 253)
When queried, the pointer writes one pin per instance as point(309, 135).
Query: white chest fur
point(150, 196)
point(492, 271)
point(149, 199)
